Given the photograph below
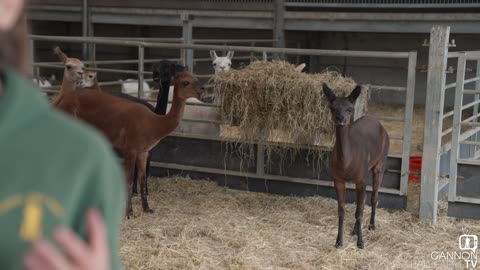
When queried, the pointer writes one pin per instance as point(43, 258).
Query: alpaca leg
point(135, 182)
point(341, 196)
point(129, 163)
point(141, 166)
point(148, 172)
point(360, 192)
point(377, 173)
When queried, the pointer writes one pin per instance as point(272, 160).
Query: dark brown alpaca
point(131, 127)
point(359, 147)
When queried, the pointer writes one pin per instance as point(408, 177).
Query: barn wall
point(370, 71)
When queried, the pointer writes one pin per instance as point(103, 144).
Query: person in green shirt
point(62, 190)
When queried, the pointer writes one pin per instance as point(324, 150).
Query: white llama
point(221, 64)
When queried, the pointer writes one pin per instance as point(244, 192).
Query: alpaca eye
point(349, 110)
point(90, 77)
point(186, 83)
point(69, 67)
point(214, 64)
point(229, 64)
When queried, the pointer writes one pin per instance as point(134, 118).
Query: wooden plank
point(307, 181)
point(437, 64)
point(387, 118)
point(466, 200)
point(470, 143)
point(457, 119)
point(408, 119)
point(469, 162)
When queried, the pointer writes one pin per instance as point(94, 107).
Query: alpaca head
point(188, 86)
point(89, 79)
point(73, 66)
point(342, 108)
point(164, 70)
point(221, 64)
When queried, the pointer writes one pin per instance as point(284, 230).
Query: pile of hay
point(200, 225)
point(270, 99)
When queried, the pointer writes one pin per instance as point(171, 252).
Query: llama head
point(188, 86)
point(164, 70)
point(73, 66)
point(221, 64)
point(89, 80)
point(342, 108)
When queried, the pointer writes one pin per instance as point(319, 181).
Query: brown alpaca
point(72, 74)
point(89, 81)
point(131, 127)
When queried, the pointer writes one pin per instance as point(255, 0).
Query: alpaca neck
point(342, 144)
point(68, 84)
point(175, 114)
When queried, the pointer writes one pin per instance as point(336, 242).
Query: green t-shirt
point(52, 170)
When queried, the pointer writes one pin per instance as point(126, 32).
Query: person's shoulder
point(79, 137)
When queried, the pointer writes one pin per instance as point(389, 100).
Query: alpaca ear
point(173, 68)
point(63, 57)
point(213, 55)
point(328, 93)
point(230, 55)
point(355, 94)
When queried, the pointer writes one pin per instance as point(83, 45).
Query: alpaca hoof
point(339, 245)
point(360, 245)
point(371, 227)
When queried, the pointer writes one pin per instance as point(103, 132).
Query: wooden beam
point(437, 64)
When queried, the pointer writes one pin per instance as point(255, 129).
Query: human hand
point(77, 254)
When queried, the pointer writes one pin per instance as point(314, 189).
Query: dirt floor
point(200, 225)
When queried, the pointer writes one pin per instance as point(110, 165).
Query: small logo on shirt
point(32, 214)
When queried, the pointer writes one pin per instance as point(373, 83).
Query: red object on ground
point(415, 167)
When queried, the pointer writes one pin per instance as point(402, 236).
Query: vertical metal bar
point(298, 55)
point(92, 48)
point(279, 26)
point(85, 27)
point(252, 44)
point(437, 63)
point(187, 34)
point(456, 126)
point(407, 122)
point(141, 56)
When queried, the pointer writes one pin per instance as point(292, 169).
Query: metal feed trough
point(204, 155)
